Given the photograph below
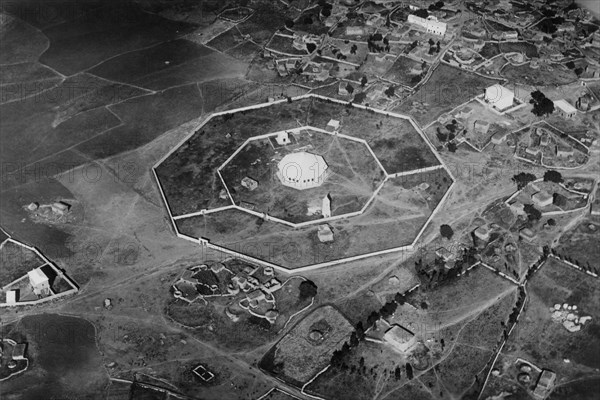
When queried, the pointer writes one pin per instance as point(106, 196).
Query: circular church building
point(302, 170)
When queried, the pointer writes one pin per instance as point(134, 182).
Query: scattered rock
point(108, 304)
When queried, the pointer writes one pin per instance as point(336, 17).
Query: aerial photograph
point(299, 199)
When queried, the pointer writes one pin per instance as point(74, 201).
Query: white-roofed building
point(302, 170)
point(11, 297)
point(333, 125)
point(431, 24)
point(564, 109)
point(282, 138)
point(499, 97)
point(542, 198)
point(39, 282)
point(324, 233)
point(326, 207)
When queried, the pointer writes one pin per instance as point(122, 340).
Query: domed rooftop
point(302, 170)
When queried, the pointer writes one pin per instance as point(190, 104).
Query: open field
point(352, 175)
point(490, 50)
point(63, 358)
point(459, 300)
point(392, 220)
point(447, 88)
point(298, 356)
point(170, 64)
point(530, 50)
point(105, 32)
point(16, 262)
point(581, 243)
point(547, 343)
point(405, 71)
point(396, 143)
point(554, 74)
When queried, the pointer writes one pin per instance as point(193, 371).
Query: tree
point(431, 42)
point(409, 371)
point(446, 231)
point(541, 104)
point(363, 81)
point(559, 200)
point(359, 98)
point(421, 13)
point(522, 179)
point(308, 289)
point(452, 147)
point(388, 309)
point(553, 176)
point(400, 298)
point(389, 92)
point(551, 222)
point(349, 88)
point(533, 214)
point(289, 23)
point(353, 49)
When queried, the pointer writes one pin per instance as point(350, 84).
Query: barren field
point(298, 356)
point(447, 88)
point(547, 343)
point(16, 262)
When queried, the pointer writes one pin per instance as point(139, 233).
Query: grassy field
point(25, 72)
point(458, 300)
point(580, 243)
point(284, 44)
point(64, 359)
point(395, 142)
point(169, 64)
point(226, 40)
point(20, 42)
point(204, 152)
point(16, 262)
point(184, 102)
point(296, 358)
point(447, 88)
point(530, 50)
point(558, 75)
point(404, 71)
point(547, 343)
point(352, 176)
point(392, 220)
point(106, 32)
point(489, 50)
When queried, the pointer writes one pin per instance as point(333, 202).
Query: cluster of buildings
point(258, 295)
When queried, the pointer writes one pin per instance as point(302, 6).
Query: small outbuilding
point(249, 183)
point(564, 109)
point(333, 125)
point(324, 233)
point(400, 338)
point(39, 282)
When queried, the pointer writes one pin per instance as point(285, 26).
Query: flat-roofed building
point(499, 97)
point(564, 109)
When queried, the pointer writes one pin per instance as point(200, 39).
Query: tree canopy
point(541, 104)
point(446, 231)
point(308, 289)
point(522, 179)
point(553, 176)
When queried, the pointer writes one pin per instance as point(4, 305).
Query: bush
point(553, 176)
point(446, 231)
point(308, 289)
